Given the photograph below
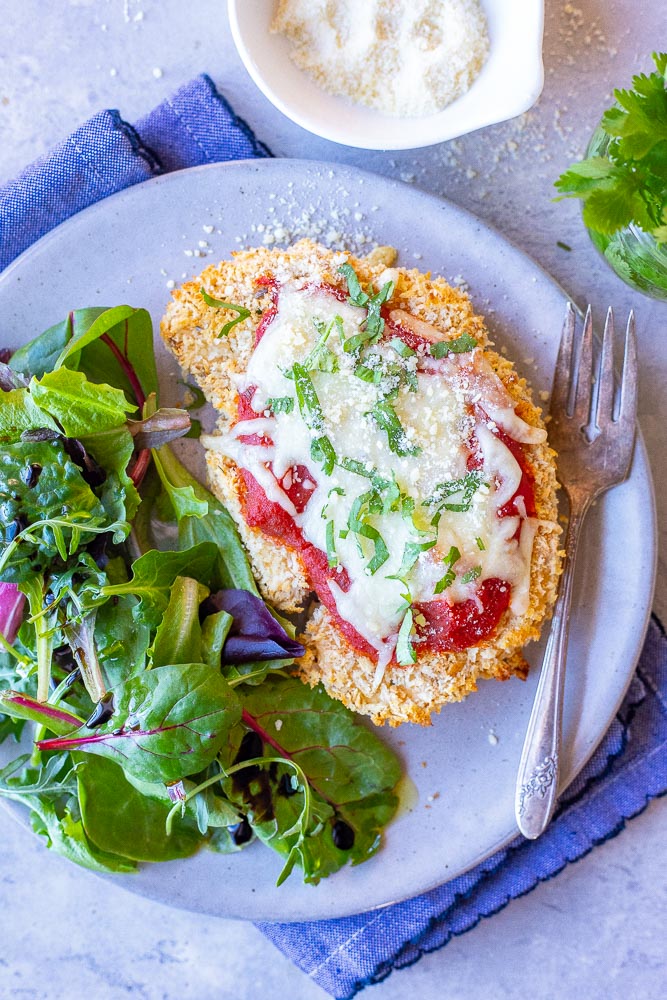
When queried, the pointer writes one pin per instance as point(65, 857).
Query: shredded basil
point(464, 489)
point(332, 557)
point(480, 544)
point(373, 326)
point(411, 553)
point(321, 358)
point(461, 345)
point(243, 313)
point(321, 448)
point(280, 404)
point(358, 524)
point(450, 561)
point(405, 650)
point(354, 290)
point(385, 417)
point(472, 574)
point(402, 348)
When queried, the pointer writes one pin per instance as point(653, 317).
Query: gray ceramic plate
point(459, 808)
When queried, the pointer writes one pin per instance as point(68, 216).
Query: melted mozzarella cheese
point(438, 421)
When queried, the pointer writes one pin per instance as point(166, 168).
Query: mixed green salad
point(134, 641)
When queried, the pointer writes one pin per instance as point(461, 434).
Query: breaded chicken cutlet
point(374, 451)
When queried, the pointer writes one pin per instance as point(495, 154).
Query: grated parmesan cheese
point(403, 59)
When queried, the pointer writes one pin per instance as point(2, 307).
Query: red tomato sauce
point(440, 626)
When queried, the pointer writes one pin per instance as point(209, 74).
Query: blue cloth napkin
point(194, 126)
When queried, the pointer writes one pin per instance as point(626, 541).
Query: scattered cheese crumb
point(278, 724)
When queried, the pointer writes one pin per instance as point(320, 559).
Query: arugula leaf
point(241, 311)
point(21, 706)
point(123, 820)
point(50, 795)
point(48, 515)
point(214, 630)
point(40, 355)
point(112, 450)
point(349, 772)
point(168, 722)
point(461, 345)
point(122, 642)
point(108, 345)
point(153, 576)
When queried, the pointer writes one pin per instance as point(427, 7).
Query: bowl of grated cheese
point(385, 74)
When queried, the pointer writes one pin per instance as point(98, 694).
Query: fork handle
point(537, 779)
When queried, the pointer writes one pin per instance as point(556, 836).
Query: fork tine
point(560, 390)
point(582, 399)
point(605, 402)
point(628, 410)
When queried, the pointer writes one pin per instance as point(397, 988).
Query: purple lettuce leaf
point(255, 634)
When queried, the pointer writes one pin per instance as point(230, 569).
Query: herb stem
point(34, 591)
point(8, 648)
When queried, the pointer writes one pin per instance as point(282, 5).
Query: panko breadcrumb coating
point(191, 330)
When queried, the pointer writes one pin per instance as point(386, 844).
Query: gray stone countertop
point(598, 929)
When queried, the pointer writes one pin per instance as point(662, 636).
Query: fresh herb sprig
point(629, 184)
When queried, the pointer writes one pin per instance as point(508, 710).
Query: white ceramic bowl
point(510, 81)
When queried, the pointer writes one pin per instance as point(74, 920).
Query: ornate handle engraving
point(539, 782)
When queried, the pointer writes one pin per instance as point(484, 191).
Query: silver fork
point(594, 445)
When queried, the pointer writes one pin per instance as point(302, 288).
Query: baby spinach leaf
point(351, 775)
point(179, 636)
point(169, 722)
point(153, 575)
point(122, 642)
point(80, 407)
point(123, 820)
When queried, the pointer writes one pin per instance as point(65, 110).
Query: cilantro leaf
point(629, 183)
